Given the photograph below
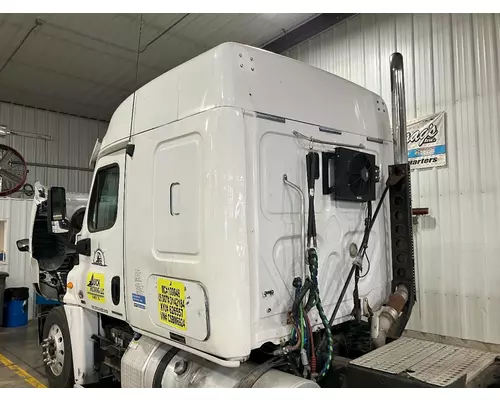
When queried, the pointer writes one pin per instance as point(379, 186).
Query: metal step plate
point(434, 363)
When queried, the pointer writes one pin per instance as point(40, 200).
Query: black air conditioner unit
point(349, 175)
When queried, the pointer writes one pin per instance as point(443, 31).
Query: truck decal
point(139, 301)
point(99, 258)
point(172, 303)
point(95, 287)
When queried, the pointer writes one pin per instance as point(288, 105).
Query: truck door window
point(103, 205)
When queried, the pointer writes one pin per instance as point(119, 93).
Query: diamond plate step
point(434, 363)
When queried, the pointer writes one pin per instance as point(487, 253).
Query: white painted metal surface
point(241, 223)
point(82, 324)
point(244, 233)
point(434, 363)
point(73, 139)
point(252, 80)
point(107, 243)
point(451, 64)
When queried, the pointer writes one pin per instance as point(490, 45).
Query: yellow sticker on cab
point(172, 303)
point(95, 287)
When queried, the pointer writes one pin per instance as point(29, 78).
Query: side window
point(103, 205)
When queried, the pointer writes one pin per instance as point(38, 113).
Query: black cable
point(362, 251)
point(37, 24)
point(312, 164)
point(310, 189)
point(249, 380)
point(356, 311)
point(342, 294)
point(136, 78)
point(300, 292)
point(164, 32)
point(369, 216)
point(312, 300)
point(292, 366)
point(379, 205)
point(298, 299)
point(132, 117)
point(353, 267)
point(313, 266)
point(369, 266)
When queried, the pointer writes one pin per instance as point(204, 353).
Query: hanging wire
point(164, 32)
point(132, 114)
point(38, 22)
point(369, 266)
point(136, 77)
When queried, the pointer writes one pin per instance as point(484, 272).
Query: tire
point(60, 374)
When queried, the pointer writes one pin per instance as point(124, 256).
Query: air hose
point(312, 162)
point(313, 267)
point(313, 350)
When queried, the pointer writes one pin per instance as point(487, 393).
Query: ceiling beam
point(305, 31)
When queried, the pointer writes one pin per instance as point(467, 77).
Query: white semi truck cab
point(247, 226)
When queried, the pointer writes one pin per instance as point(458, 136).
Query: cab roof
point(244, 77)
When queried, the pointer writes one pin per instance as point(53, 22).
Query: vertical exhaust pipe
point(398, 109)
point(387, 317)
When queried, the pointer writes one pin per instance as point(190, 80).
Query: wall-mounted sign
point(427, 142)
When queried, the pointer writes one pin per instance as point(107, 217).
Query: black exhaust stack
point(403, 265)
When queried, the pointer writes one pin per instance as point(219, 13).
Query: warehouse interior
point(63, 76)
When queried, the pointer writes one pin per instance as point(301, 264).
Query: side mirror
point(56, 204)
point(23, 245)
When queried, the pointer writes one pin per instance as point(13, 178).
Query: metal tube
point(299, 135)
point(302, 222)
point(382, 321)
point(56, 166)
point(398, 109)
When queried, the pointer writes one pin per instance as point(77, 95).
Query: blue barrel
point(3, 277)
point(15, 307)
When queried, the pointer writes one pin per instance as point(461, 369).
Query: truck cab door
point(99, 275)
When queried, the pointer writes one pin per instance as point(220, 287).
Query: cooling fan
point(360, 174)
point(13, 171)
point(350, 175)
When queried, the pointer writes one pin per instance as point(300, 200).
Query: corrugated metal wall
point(15, 213)
point(73, 139)
point(452, 64)
point(71, 144)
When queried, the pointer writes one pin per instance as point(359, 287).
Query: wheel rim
point(55, 356)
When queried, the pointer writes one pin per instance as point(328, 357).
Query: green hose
point(313, 268)
point(302, 328)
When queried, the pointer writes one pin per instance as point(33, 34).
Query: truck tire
point(57, 348)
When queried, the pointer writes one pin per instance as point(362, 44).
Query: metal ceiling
point(85, 64)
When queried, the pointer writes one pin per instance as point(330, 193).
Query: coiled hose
point(313, 268)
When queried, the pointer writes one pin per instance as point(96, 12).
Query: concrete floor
point(21, 358)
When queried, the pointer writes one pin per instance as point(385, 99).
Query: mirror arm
point(23, 245)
